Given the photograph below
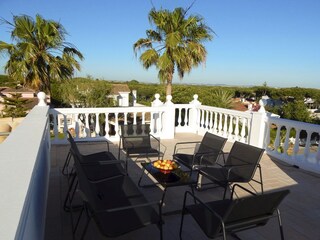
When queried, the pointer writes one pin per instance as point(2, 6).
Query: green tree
point(15, 106)
point(296, 110)
point(39, 53)
point(175, 44)
point(219, 98)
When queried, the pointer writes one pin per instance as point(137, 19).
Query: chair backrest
point(135, 130)
point(74, 146)
point(213, 144)
point(135, 136)
point(85, 188)
point(247, 155)
point(253, 210)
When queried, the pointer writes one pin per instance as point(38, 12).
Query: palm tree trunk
point(169, 86)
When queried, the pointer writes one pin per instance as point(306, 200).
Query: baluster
point(97, 128)
point(186, 122)
point(179, 117)
point(277, 140)
point(267, 138)
point(236, 130)
point(125, 120)
point(202, 119)
point(211, 121)
point(135, 118)
point(296, 143)
point(220, 124)
point(286, 142)
point(307, 147)
point(87, 129)
point(106, 127)
point(77, 126)
point(116, 124)
point(243, 130)
point(198, 118)
point(225, 125)
point(65, 124)
point(207, 120)
point(230, 127)
point(215, 123)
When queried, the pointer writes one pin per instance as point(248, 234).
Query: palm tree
point(39, 54)
point(175, 44)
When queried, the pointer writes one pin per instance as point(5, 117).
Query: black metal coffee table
point(174, 178)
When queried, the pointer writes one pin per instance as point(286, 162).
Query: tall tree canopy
point(174, 44)
point(39, 53)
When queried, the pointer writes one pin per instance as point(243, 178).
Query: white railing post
point(194, 113)
point(168, 119)
point(258, 126)
point(155, 124)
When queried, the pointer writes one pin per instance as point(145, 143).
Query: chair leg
point(280, 224)
point(87, 224)
point(225, 192)
point(261, 181)
point(66, 164)
point(181, 223)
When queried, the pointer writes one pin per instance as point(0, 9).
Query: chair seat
point(112, 224)
point(99, 171)
point(209, 224)
point(99, 156)
point(142, 150)
point(122, 192)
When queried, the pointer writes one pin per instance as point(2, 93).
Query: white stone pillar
point(168, 119)
point(194, 113)
point(258, 128)
point(155, 124)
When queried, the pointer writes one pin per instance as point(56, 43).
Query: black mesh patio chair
point(229, 216)
point(240, 167)
point(97, 167)
point(98, 156)
point(210, 149)
point(116, 205)
point(137, 141)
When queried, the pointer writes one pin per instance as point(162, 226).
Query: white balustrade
point(88, 126)
point(296, 143)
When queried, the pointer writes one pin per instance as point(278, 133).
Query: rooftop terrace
point(300, 210)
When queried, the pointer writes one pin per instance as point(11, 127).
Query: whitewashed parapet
point(294, 142)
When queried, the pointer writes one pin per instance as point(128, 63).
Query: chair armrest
point(233, 167)
point(243, 188)
point(129, 207)
point(103, 162)
point(212, 153)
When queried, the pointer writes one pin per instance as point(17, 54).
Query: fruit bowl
point(165, 166)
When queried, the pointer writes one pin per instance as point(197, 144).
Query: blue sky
point(273, 41)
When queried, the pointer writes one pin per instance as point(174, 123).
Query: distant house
point(120, 94)
point(25, 92)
